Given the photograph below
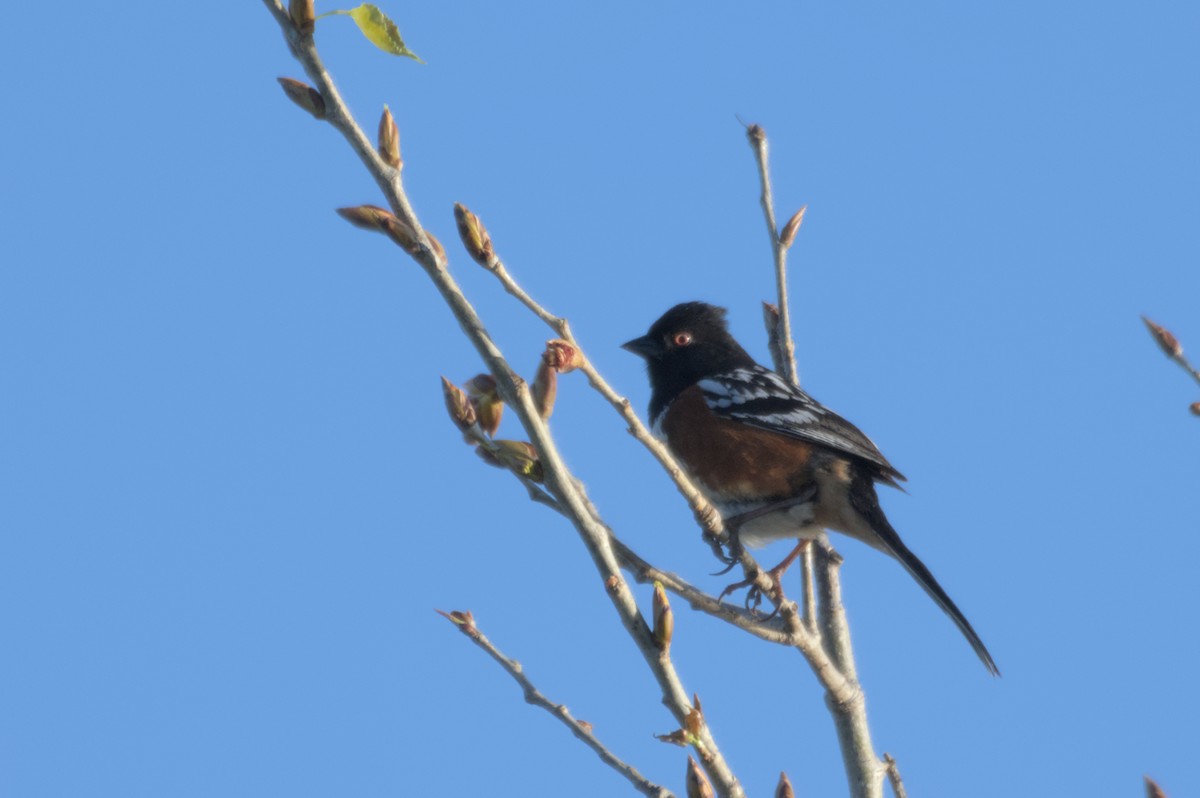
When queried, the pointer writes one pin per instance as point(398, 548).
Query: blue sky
point(232, 501)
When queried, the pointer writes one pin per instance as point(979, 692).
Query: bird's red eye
point(682, 338)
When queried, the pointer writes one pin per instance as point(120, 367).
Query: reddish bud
point(697, 784)
point(784, 788)
point(793, 225)
point(304, 96)
point(458, 404)
point(545, 388)
point(562, 356)
point(678, 737)
point(465, 621)
point(389, 139)
point(474, 236)
point(1153, 790)
point(381, 220)
point(368, 217)
point(664, 618)
point(1195, 408)
point(1166, 341)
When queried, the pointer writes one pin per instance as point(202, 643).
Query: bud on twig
point(368, 217)
point(1153, 790)
point(784, 788)
point(678, 737)
point(304, 96)
point(303, 16)
point(381, 220)
point(664, 619)
point(756, 134)
point(694, 721)
point(462, 412)
point(488, 405)
point(489, 410)
point(697, 784)
point(474, 236)
point(519, 457)
point(793, 225)
point(562, 356)
point(545, 388)
point(389, 139)
point(465, 621)
point(1166, 341)
point(1195, 408)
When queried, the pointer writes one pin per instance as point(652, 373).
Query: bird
point(775, 462)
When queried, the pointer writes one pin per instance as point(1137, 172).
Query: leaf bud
point(458, 404)
point(304, 96)
point(1166, 341)
point(389, 140)
point(474, 236)
point(303, 16)
point(697, 784)
point(562, 356)
point(664, 618)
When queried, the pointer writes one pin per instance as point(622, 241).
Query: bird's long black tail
point(864, 500)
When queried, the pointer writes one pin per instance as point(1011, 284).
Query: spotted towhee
point(773, 460)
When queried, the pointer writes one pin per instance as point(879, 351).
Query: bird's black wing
point(761, 398)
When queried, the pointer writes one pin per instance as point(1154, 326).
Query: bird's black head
point(690, 342)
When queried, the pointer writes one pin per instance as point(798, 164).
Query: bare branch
point(787, 348)
point(582, 731)
point(893, 774)
point(559, 481)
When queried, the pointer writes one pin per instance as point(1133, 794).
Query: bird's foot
point(754, 595)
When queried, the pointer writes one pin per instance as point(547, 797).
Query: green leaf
point(379, 29)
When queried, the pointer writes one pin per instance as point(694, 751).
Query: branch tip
point(1167, 342)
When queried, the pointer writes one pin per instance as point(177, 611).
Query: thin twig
point(893, 774)
point(516, 393)
point(466, 624)
point(810, 593)
point(787, 347)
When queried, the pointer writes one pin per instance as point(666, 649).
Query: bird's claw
point(735, 551)
point(754, 597)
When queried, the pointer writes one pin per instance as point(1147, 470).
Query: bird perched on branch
point(774, 461)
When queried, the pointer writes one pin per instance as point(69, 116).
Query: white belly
point(796, 522)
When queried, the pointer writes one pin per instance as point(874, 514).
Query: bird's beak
point(645, 347)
